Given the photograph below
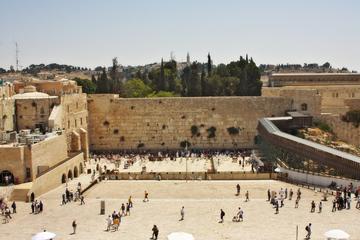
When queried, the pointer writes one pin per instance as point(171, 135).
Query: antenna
point(17, 56)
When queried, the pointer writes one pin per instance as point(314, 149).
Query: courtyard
point(202, 201)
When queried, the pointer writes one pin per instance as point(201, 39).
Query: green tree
point(103, 83)
point(209, 65)
point(136, 88)
point(87, 85)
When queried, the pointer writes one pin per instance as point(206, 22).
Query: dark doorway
point(6, 178)
point(63, 178)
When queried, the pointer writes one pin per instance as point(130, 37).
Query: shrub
point(140, 145)
point(233, 130)
point(323, 126)
point(185, 143)
point(211, 132)
point(352, 116)
point(194, 130)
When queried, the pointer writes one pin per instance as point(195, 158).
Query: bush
point(233, 130)
point(194, 130)
point(323, 126)
point(184, 144)
point(140, 145)
point(352, 116)
point(211, 132)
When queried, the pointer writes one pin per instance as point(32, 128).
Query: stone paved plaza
point(202, 201)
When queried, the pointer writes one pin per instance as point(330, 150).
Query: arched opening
point(304, 107)
point(32, 197)
point(63, 178)
point(70, 176)
point(81, 168)
point(76, 172)
point(6, 178)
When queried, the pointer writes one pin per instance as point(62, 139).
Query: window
point(304, 107)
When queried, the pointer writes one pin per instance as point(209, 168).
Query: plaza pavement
point(202, 201)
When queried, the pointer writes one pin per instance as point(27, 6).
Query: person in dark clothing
point(74, 225)
point(334, 205)
point(222, 214)
point(13, 206)
point(63, 199)
point(268, 195)
point(82, 200)
point(155, 233)
point(41, 206)
point(237, 190)
point(32, 207)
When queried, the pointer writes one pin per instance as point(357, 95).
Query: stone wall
point(53, 178)
point(7, 114)
point(343, 130)
point(163, 123)
point(74, 114)
point(48, 153)
point(13, 160)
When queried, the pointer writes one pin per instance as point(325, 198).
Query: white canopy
point(337, 234)
point(43, 236)
point(277, 170)
point(180, 236)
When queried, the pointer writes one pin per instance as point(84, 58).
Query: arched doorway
point(6, 177)
point(81, 168)
point(32, 197)
point(70, 176)
point(63, 178)
point(75, 172)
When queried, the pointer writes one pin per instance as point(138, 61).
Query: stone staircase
point(20, 192)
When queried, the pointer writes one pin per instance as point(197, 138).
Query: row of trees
point(238, 78)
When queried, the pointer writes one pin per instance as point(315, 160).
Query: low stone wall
point(53, 178)
point(317, 179)
point(191, 176)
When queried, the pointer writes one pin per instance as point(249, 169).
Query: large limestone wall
point(48, 153)
point(74, 114)
point(162, 123)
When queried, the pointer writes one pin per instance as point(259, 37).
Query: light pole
point(186, 161)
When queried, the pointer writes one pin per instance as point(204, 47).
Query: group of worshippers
point(113, 221)
point(37, 207)
point(69, 196)
point(5, 210)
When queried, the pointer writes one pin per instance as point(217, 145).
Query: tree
point(136, 88)
point(204, 83)
point(195, 82)
point(103, 83)
point(116, 84)
point(87, 86)
point(209, 65)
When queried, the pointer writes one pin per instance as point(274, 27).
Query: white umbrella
point(337, 234)
point(43, 236)
point(180, 236)
point(277, 170)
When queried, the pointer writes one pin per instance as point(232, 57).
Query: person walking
point(268, 195)
point(146, 196)
point(308, 231)
point(312, 207)
point(291, 193)
point(127, 209)
point(238, 190)
point(109, 221)
point(222, 214)
point(130, 202)
point(32, 207)
point(320, 207)
point(82, 200)
point(155, 233)
point(297, 202)
point(13, 206)
point(182, 213)
point(241, 215)
point(247, 196)
point(334, 205)
point(74, 225)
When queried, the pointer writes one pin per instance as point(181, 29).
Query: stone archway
point(63, 178)
point(76, 174)
point(6, 177)
point(70, 175)
point(32, 197)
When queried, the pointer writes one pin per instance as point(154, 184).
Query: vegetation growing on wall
point(352, 116)
point(184, 144)
point(322, 126)
point(194, 130)
point(211, 132)
point(233, 130)
point(140, 145)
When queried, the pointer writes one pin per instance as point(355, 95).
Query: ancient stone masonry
point(174, 123)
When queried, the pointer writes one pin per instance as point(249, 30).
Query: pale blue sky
point(91, 32)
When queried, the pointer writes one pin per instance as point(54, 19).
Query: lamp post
point(186, 161)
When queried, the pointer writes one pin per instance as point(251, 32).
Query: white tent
point(336, 234)
point(43, 236)
point(180, 236)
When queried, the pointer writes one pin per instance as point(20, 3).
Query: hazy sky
point(91, 32)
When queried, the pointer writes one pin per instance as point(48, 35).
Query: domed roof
point(31, 93)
